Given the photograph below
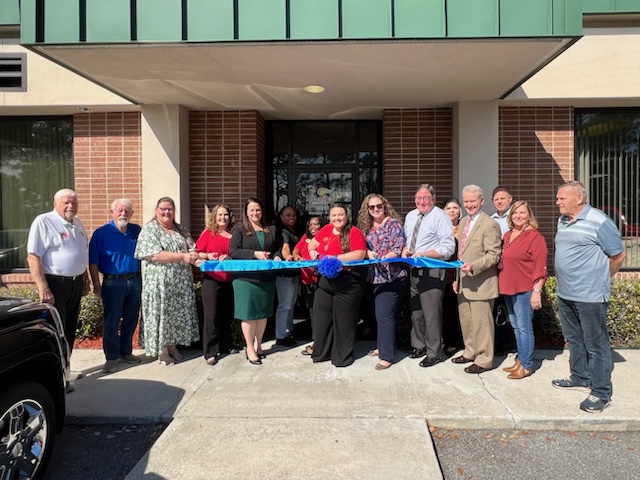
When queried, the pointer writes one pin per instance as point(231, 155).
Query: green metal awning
point(259, 54)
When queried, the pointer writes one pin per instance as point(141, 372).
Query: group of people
point(504, 258)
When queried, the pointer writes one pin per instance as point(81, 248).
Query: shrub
point(89, 319)
point(623, 317)
point(546, 321)
point(624, 313)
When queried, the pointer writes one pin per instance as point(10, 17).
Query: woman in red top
point(308, 276)
point(523, 271)
point(337, 300)
point(217, 292)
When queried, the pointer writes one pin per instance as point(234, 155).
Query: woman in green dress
point(254, 291)
point(169, 313)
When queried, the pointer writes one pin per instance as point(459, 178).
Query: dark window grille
point(607, 144)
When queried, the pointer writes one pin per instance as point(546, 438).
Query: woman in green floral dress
point(169, 310)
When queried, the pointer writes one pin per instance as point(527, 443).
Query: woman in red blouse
point(217, 292)
point(337, 300)
point(523, 271)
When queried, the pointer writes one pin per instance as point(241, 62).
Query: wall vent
point(13, 72)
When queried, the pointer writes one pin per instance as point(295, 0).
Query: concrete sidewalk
point(289, 418)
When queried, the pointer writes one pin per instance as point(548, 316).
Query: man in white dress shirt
point(429, 234)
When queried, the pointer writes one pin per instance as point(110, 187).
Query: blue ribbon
point(266, 265)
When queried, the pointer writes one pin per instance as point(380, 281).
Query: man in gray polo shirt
point(589, 252)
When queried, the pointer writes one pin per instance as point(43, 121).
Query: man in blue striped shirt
point(589, 252)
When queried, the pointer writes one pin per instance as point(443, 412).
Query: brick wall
point(536, 155)
point(107, 165)
point(417, 148)
point(226, 159)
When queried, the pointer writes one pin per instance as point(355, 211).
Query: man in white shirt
point(429, 234)
point(58, 258)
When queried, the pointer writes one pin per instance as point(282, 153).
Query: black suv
point(34, 372)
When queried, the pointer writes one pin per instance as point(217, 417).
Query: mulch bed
point(96, 343)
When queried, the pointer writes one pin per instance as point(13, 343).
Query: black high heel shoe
point(261, 355)
point(253, 362)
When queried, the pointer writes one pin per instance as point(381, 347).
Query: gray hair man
point(479, 247)
point(429, 234)
point(111, 252)
point(57, 254)
point(589, 251)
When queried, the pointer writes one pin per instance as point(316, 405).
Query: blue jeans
point(584, 325)
point(287, 289)
point(521, 319)
point(121, 300)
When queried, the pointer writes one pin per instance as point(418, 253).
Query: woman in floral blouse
point(387, 281)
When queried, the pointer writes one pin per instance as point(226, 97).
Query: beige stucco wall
point(604, 65)
point(475, 146)
point(165, 158)
point(53, 89)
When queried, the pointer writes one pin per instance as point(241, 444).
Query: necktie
point(414, 236)
point(465, 232)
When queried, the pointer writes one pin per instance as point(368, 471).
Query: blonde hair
point(532, 219)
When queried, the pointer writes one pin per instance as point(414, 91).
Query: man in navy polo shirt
point(111, 253)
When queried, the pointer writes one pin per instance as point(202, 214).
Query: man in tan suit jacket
point(479, 247)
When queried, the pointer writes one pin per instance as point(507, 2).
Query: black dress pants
point(67, 293)
point(217, 309)
point(337, 308)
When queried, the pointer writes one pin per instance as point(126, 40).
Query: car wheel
point(27, 431)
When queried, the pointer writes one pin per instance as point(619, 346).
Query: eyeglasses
point(314, 224)
point(166, 209)
point(423, 199)
point(376, 207)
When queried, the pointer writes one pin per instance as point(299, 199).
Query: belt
point(66, 279)
point(124, 276)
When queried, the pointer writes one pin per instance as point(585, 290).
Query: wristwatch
point(537, 290)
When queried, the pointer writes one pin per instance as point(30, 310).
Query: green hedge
point(623, 319)
point(89, 319)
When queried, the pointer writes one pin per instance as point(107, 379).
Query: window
point(36, 160)
point(608, 164)
point(13, 72)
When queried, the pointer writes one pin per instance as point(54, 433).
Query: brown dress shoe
point(512, 367)
point(460, 360)
point(476, 369)
point(519, 373)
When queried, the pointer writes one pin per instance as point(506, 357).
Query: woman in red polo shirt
point(337, 300)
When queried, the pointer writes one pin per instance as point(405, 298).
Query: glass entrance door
point(316, 164)
point(316, 192)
